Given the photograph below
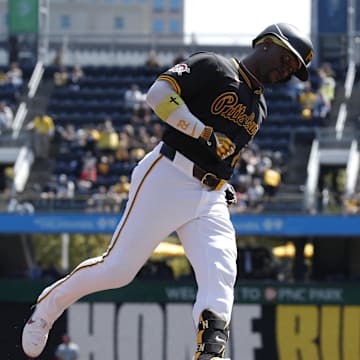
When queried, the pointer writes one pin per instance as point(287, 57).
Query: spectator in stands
point(351, 203)
point(147, 118)
point(278, 161)
point(329, 83)
point(126, 137)
point(100, 201)
point(133, 97)
point(15, 76)
point(271, 182)
point(152, 60)
point(248, 159)
point(122, 186)
point(47, 192)
point(67, 350)
point(322, 107)
point(135, 119)
point(241, 185)
point(68, 133)
point(313, 102)
point(142, 113)
point(104, 164)
point(144, 139)
point(65, 188)
point(119, 193)
point(327, 86)
point(61, 77)
point(20, 207)
point(136, 155)
point(88, 174)
point(6, 117)
point(127, 134)
point(308, 101)
point(143, 110)
point(3, 78)
point(156, 131)
point(255, 194)
point(43, 129)
point(108, 137)
point(330, 187)
point(262, 164)
point(122, 152)
point(76, 75)
point(87, 139)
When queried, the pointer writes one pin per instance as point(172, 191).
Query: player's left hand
point(220, 143)
point(224, 146)
point(230, 195)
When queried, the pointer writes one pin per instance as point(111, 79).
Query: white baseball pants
point(164, 197)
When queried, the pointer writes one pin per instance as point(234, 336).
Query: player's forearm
point(170, 107)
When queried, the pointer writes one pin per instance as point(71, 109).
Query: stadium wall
point(152, 320)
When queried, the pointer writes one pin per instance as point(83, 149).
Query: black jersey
point(217, 90)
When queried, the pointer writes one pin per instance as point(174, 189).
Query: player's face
point(283, 63)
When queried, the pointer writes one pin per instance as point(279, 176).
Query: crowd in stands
point(351, 203)
point(316, 98)
point(92, 152)
point(332, 195)
point(257, 178)
point(70, 79)
point(92, 161)
point(12, 77)
point(96, 161)
point(43, 128)
point(11, 83)
point(6, 117)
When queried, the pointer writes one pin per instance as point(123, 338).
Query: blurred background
point(74, 123)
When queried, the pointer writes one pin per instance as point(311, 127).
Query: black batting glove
point(230, 195)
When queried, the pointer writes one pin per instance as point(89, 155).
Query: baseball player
point(213, 107)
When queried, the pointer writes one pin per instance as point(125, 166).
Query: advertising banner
point(155, 331)
point(23, 16)
point(258, 332)
point(149, 321)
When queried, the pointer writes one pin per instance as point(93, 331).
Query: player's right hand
point(218, 142)
point(230, 195)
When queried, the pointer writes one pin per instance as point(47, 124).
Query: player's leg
point(145, 223)
point(210, 245)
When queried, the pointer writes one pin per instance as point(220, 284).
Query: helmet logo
point(180, 69)
point(309, 56)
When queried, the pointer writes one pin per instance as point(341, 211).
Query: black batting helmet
point(297, 43)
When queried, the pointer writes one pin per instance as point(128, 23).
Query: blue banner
point(298, 225)
point(58, 223)
point(270, 225)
